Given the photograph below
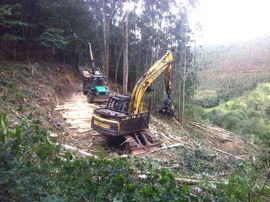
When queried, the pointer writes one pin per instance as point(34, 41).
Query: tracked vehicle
point(125, 118)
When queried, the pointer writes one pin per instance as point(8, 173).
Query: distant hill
point(227, 71)
point(248, 55)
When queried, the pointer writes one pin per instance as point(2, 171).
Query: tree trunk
point(125, 70)
point(182, 108)
point(194, 84)
point(106, 31)
point(179, 86)
point(139, 53)
point(117, 66)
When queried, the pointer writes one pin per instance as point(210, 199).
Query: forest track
point(77, 113)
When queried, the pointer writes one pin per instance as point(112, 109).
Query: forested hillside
point(227, 71)
point(233, 89)
point(59, 31)
point(50, 152)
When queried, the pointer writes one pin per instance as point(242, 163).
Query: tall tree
point(125, 71)
point(109, 11)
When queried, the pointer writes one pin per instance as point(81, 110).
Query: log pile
point(214, 139)
point(220, 140)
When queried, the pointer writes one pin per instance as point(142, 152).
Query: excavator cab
point(114, 120)
point(119, 103)
point(129, 129)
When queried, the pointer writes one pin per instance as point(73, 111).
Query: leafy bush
point(248, 183)
point(207, 99)
point(32, 168)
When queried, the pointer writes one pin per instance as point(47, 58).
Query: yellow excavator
point(126, 119)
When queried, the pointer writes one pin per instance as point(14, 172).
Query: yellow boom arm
point(165, 63)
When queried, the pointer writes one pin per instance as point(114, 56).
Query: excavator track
point(141, 142)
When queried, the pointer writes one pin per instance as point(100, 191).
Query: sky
point(224, 21)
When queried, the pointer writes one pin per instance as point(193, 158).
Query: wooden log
point(59, 108)
point(162, 148)
point(73, 149)
point(189, 181)
point(187, 134)
point(167, 136)
point(216, 129)
point(84, 130)
point(211, 132)
point(228, 154)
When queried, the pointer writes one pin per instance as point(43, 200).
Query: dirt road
point(77, 113)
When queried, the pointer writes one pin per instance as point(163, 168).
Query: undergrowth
point(33, 168)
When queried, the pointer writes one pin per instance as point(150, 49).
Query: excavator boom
point(164, 64)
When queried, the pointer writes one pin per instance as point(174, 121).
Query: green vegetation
point(34, 168)
point(58, 31)
point(248, 115)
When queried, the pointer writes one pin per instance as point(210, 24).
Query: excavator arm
point(164, 64)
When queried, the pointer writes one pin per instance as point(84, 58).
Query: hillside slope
point(44, 104)
point(54, 98)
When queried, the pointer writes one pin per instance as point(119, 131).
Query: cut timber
point(186, 132)
point(167, 136)
point(228, 154)
point(83, 130)
point(86, 73)
point(188, 181)
point(70, 148)
point(166, 147)
point(59, 108)
point(219, 133)
point(76, 114)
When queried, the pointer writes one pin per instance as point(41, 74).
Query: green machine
point(94, 82)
